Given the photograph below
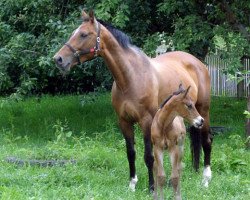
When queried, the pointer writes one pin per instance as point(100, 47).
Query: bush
point(30, 34)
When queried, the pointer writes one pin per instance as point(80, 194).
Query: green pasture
point(84, 129)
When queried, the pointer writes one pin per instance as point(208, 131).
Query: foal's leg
point(128, 133)
point(159, 171)
point(175, 158)
point(145, 124)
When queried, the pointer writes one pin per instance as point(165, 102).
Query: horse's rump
point(182, 67)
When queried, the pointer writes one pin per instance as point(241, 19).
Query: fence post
point(240, 85)
point(248, 124)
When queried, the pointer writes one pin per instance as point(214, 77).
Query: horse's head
point(185, 107)
point(83, 44)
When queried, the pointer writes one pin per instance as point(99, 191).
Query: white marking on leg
point(132, 183)
point(207, 175)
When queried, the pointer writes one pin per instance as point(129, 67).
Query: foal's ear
point(91, 16)
point(186, 91)
point(181, 87)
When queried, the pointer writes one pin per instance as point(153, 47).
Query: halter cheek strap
point(78, 53)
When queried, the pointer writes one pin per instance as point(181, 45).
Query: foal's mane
point(174, 94)
point(123, 39)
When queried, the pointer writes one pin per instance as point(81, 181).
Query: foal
point(168, 132)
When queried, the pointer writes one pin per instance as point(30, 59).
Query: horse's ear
point(85, 16)
point(91, 16)
point(186, 91)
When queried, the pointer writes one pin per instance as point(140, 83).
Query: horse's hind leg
point(128, 133)
point(206, 142)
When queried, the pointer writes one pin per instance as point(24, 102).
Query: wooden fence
point(222, 84)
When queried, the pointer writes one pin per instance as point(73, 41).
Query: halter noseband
point(77, 53)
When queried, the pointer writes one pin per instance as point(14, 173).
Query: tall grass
point(85, 129)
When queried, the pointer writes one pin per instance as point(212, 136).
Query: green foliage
point(247, 113)
point(61, 131)
point(231, 46)
point(115, 11)
point(152, 42)
point(32, 31)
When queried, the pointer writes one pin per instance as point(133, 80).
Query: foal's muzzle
point(198, 122)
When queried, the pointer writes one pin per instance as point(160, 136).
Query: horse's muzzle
point(61, 64)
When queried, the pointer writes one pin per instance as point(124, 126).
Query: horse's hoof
point(207, 175)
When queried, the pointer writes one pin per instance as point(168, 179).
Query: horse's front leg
point(128, 133)
point(145, 124)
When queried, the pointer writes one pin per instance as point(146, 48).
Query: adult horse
point(140, 85)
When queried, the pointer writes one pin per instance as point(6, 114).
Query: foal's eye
point(189, 106)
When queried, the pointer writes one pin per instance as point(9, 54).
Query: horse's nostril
point(202, 120)
point(58, 60)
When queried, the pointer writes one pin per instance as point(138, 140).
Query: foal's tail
point(195, 146)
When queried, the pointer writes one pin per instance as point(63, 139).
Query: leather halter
point(78, 53)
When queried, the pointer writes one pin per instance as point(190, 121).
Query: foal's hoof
point(151, 189)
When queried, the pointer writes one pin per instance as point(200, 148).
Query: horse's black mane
point(123, 39)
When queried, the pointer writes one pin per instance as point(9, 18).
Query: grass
point(75, 127)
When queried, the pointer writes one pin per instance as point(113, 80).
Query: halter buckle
point(76, 54)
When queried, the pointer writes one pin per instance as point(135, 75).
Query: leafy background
point(32, 31)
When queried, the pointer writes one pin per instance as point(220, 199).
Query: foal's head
point(181, 103)
point(83, 44)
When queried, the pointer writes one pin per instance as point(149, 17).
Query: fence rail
point(221, 84)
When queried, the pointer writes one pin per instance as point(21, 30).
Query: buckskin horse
point(140, 84)
point(168, 133)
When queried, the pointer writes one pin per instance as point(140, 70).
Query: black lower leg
point(149, 160)
point(207, 140)
point(195, 136)
point(131, 154)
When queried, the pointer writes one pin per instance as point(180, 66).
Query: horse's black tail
point(195, 146)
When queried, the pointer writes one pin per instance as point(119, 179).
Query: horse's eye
point(83, 35)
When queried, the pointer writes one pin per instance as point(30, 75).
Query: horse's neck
point(166, 116)
point(119, 61)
